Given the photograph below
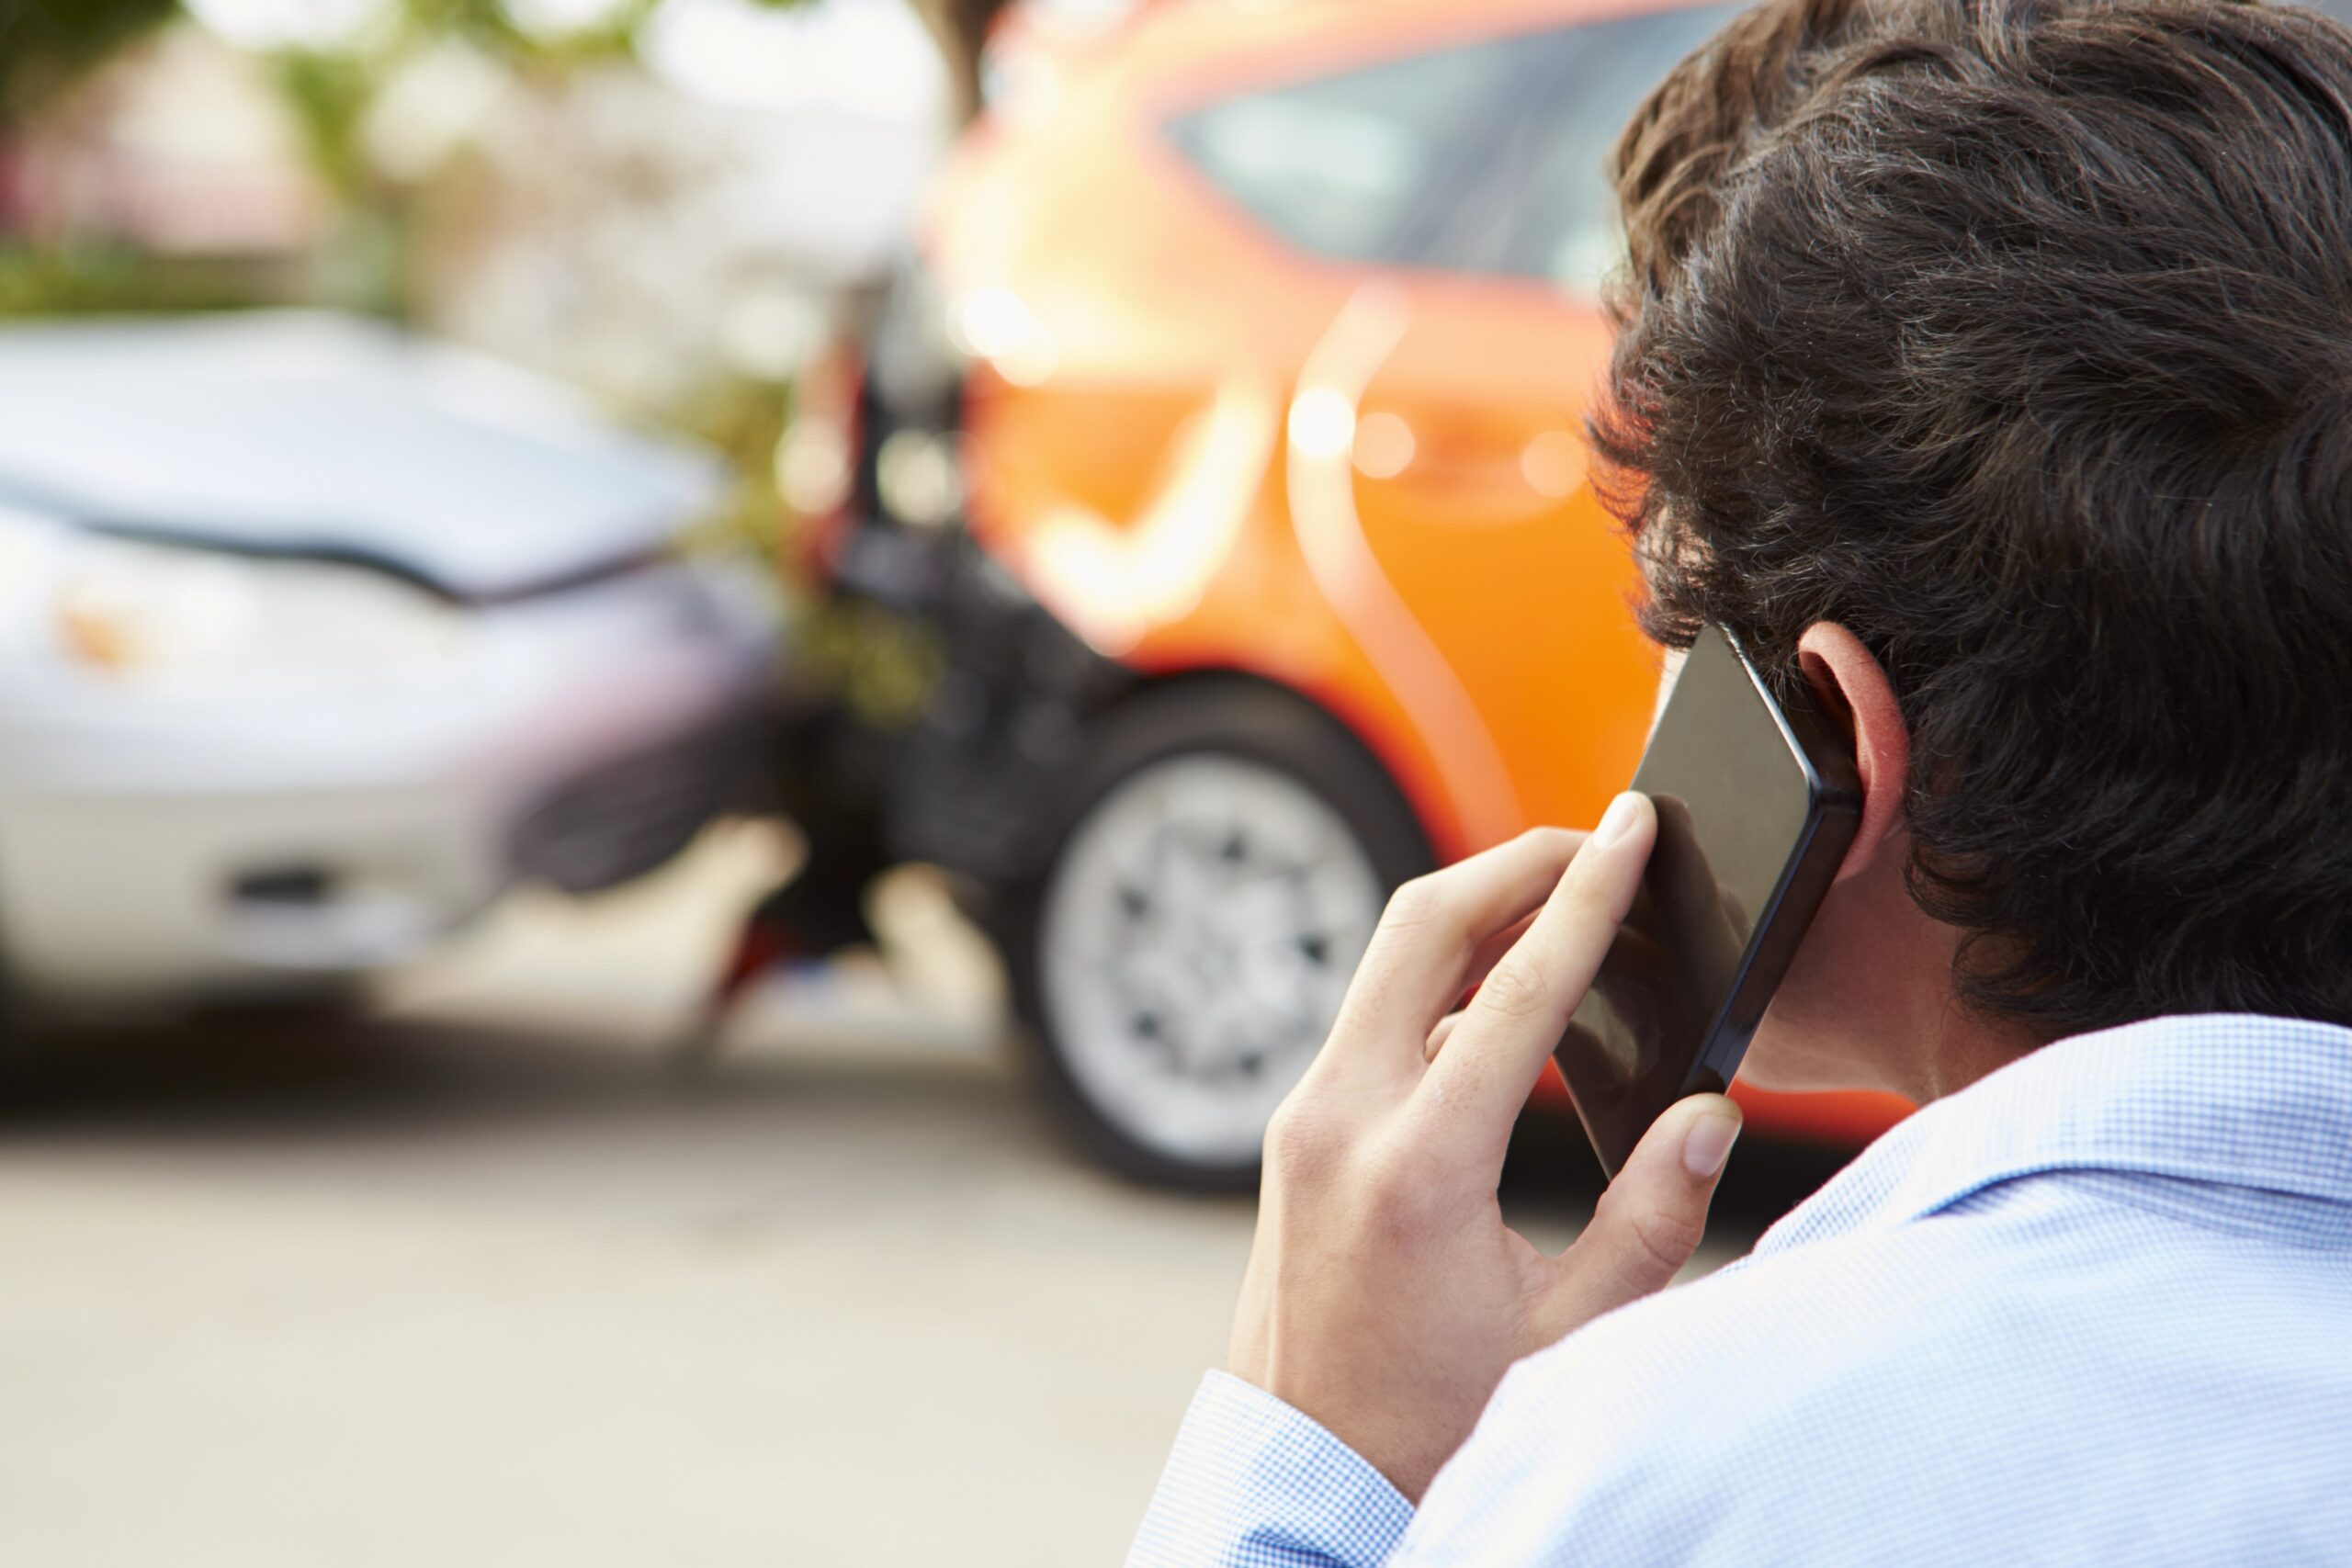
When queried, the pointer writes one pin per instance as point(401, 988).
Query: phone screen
point(1753, 813)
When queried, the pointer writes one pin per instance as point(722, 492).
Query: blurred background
point(701, 700)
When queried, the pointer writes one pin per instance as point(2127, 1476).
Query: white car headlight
point(169, 613)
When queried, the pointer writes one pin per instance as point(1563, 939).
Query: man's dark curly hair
point(2016, 336)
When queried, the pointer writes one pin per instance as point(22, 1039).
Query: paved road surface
point(478, 1284)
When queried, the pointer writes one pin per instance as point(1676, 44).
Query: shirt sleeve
point(1254, 1484)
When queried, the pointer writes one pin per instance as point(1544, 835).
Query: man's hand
point(1385, 1296)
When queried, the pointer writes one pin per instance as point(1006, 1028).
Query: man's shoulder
point(1972, 1367)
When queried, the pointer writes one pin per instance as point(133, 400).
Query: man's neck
point(1963, 1047)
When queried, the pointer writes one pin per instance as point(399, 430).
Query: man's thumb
point(1653, 1215)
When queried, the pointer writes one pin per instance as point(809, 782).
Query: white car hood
point(306, 433)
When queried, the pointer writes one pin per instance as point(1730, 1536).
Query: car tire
point(1225, 850)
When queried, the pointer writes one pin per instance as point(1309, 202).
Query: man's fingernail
point(1707, 1144)
point(1618, 820)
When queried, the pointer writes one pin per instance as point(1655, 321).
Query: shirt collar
point(2236, 1099)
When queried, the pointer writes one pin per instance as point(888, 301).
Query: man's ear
point(1851, 685)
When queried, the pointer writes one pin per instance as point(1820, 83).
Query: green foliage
point(881, 665)
point(486, 25)
point(744, 418)
point(328, 95)
point(113, 280)
point(45, 44)
point(329, 90)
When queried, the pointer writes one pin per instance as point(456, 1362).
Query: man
point(1986, 364)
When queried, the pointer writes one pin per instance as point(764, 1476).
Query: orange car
point(1226, 442)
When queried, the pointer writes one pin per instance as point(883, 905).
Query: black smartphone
point(1757, 803)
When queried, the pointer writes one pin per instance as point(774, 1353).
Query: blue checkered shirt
point(2095, 1309)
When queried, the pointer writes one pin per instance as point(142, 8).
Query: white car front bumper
point(161, 848)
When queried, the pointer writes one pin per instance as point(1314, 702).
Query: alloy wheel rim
point(1198, 935)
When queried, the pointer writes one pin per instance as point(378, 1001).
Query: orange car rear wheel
point(1225, 851)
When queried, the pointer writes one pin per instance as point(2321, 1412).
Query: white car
point(314, 640)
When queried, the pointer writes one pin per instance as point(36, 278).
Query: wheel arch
point(1433, 818)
